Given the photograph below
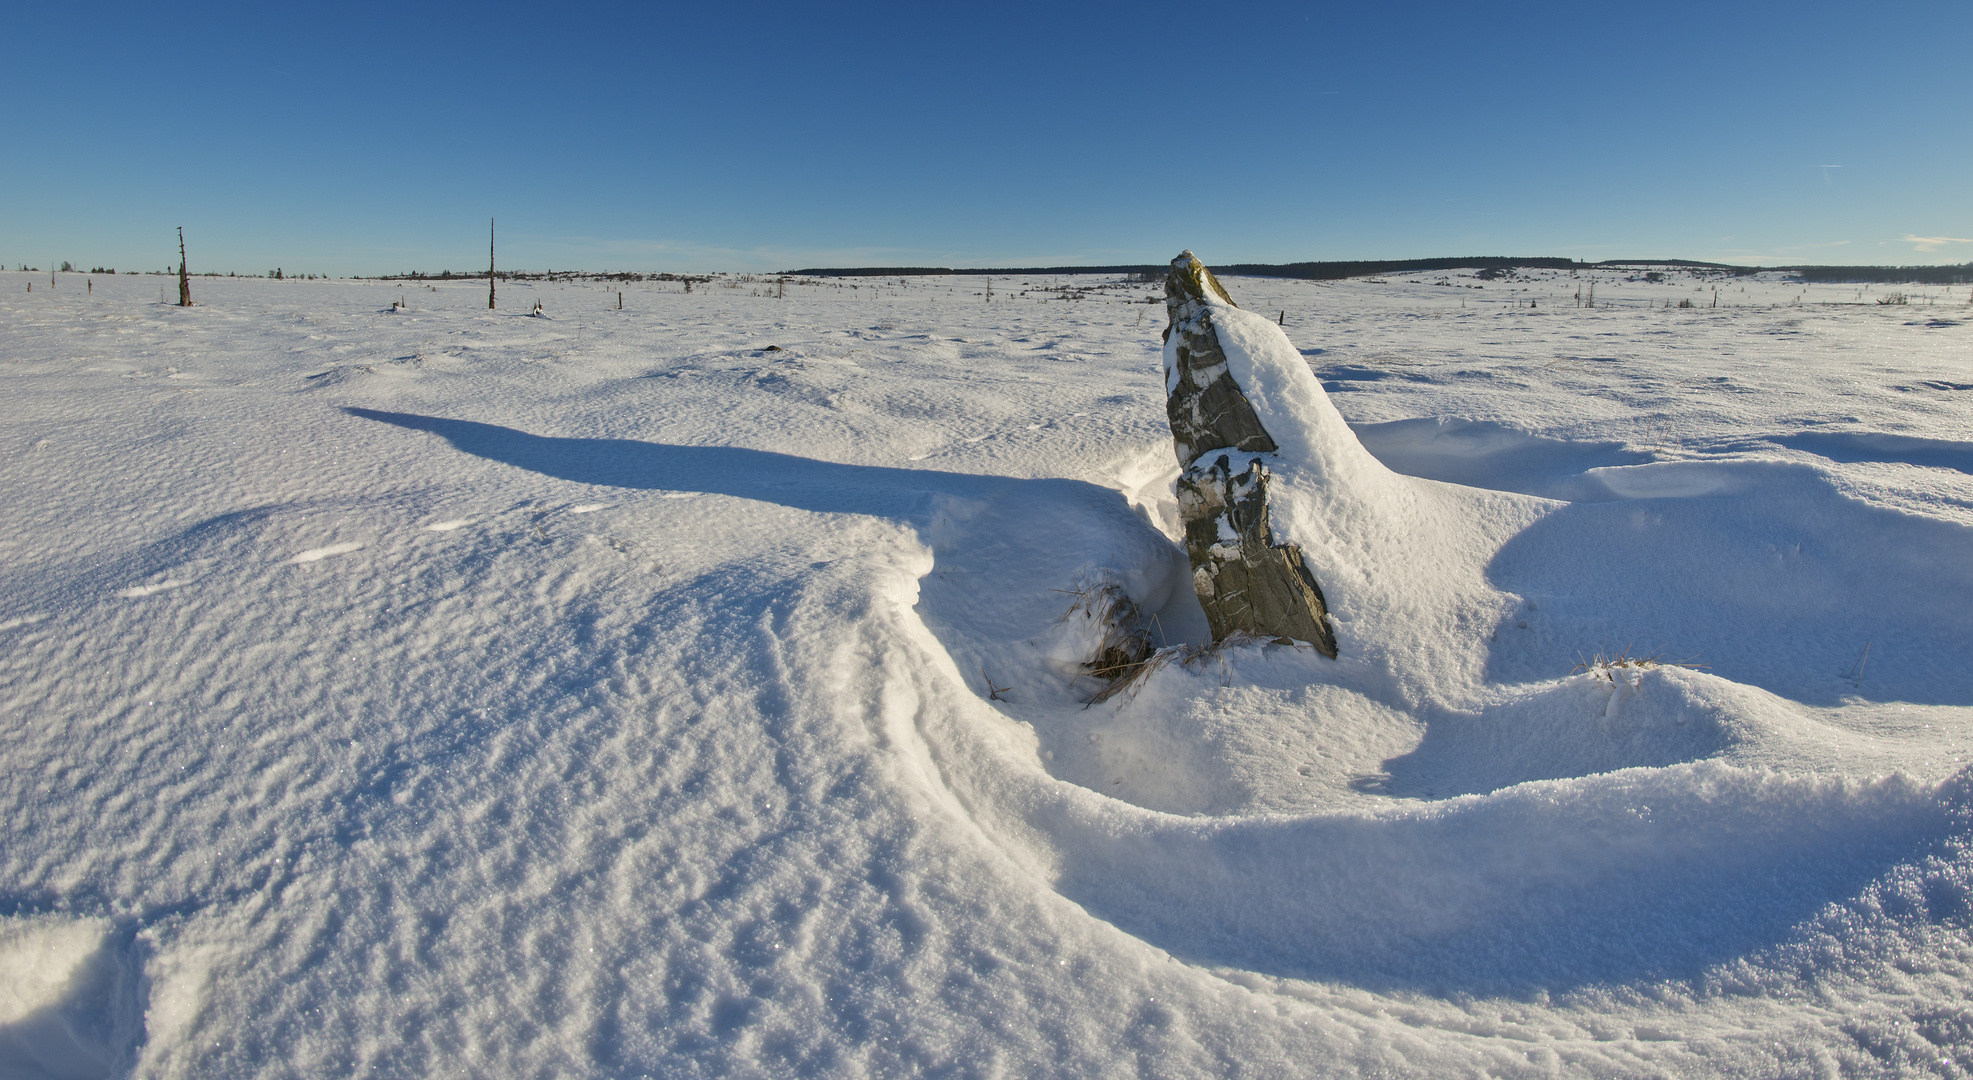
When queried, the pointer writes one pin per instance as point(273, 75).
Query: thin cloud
point(1932, 243)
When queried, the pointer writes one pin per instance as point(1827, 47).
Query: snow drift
point(610, 695)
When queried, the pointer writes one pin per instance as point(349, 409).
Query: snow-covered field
point(453, 692)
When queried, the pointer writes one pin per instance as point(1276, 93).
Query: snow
point(63, 1011)
point(452, 691)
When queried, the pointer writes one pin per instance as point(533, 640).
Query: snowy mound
point(1400, 559)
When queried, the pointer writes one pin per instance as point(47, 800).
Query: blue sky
point(356, 138)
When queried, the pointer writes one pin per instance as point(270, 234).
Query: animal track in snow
point(139, 591)
point(318, 554)
point(973, 439)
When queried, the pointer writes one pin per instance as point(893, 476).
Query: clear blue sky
point(355, 138)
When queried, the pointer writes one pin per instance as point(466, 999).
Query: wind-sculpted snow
point(609, 695)
point(1808, 575)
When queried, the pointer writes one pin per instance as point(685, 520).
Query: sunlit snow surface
point(453, 692)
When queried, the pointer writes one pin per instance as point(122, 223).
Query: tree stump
point(1247, 583)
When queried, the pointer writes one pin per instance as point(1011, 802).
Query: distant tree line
point(1960, 274)
point(938, 271)
point(1312, 271)
point(1901, 275)
point(1336, 271)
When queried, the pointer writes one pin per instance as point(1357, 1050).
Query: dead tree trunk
point(1247, 583)
point(184, 279)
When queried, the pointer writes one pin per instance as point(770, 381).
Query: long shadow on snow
point(797, 482)
point(1059, 527)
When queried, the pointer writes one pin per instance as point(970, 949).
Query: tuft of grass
point(1607, 666)
point(1855, 674)
point(1126, 633)
point(994, 692)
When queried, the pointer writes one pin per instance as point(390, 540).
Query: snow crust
point(456, 691)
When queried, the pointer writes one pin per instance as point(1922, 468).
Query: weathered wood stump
point(1247, 583)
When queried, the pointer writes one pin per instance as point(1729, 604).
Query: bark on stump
point(1247, 583)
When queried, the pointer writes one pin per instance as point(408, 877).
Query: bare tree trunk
point(184, 279)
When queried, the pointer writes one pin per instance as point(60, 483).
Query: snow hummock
point(608, 696)
point(1398, 557)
